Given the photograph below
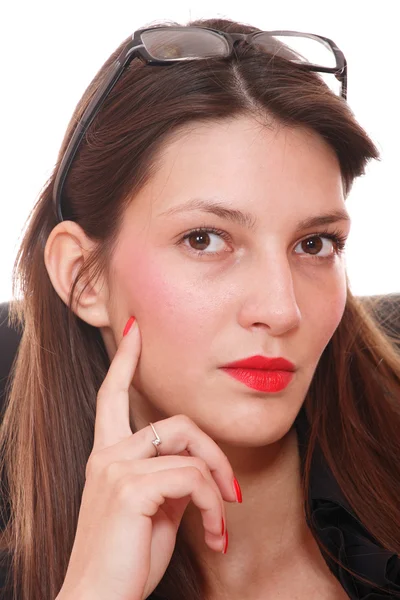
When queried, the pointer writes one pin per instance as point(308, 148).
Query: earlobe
point(67, 249)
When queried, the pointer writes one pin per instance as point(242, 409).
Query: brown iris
point(312, 245)
point(200, 238)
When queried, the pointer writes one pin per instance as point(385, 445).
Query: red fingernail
point(226, 543)
point(223, 526)
point(238, 491)
point(129, 324)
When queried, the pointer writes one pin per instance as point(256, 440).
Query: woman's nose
point(269, 298)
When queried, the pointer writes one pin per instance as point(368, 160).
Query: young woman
point(193, 362)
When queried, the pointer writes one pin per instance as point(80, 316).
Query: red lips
point(262, 373)
point(263, 362)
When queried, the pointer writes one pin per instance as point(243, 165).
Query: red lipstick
point(262, 373)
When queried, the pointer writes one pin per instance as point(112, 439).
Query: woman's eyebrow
point(246, 219)
point(325, 219)
point(243, 218)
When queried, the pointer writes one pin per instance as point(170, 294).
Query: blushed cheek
point(175, 321)
point(167, 305)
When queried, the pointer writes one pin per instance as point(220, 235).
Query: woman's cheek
point(322, 302)
point(166, 302)
point(330, 316)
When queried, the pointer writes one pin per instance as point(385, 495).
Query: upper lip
point(263, 362)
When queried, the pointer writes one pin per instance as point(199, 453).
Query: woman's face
point(266, 283)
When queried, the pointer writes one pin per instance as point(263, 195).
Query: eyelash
point(336, 236)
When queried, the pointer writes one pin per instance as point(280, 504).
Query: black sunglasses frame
point(136, 48)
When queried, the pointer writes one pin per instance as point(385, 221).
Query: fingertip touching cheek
point(233, 250)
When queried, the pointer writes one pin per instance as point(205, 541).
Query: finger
point(147, 493)
point(163, 463)
point(112, 409)
point(178, 434)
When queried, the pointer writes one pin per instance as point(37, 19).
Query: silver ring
point(157, 441)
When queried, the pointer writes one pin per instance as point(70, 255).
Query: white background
point(51, 50)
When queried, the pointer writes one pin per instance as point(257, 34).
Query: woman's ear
point(67, 249)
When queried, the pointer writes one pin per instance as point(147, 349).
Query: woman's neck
point(267, 531)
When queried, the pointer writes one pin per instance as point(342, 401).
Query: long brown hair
point(47, 431)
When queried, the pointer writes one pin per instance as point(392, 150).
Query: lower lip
point(261, 380)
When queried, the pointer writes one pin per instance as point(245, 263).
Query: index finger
point(112, 409)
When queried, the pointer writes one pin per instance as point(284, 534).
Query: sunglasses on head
point(170, 44)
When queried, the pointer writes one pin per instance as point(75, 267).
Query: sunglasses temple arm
point(89, 114)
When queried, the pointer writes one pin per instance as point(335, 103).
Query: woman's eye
point(208, 241)
point(321, 246)
point(205, 241)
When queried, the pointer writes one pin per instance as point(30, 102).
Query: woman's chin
point(249, 426)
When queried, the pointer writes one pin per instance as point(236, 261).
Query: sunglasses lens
point(173, 43)
point(297, 48)
point(189, 43)
point(302, 49)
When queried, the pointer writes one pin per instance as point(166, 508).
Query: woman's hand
point(133, 501)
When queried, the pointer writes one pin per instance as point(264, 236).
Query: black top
point(339, 529)
point(343, 533)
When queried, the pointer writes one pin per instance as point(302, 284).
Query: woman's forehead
point(243, 165)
